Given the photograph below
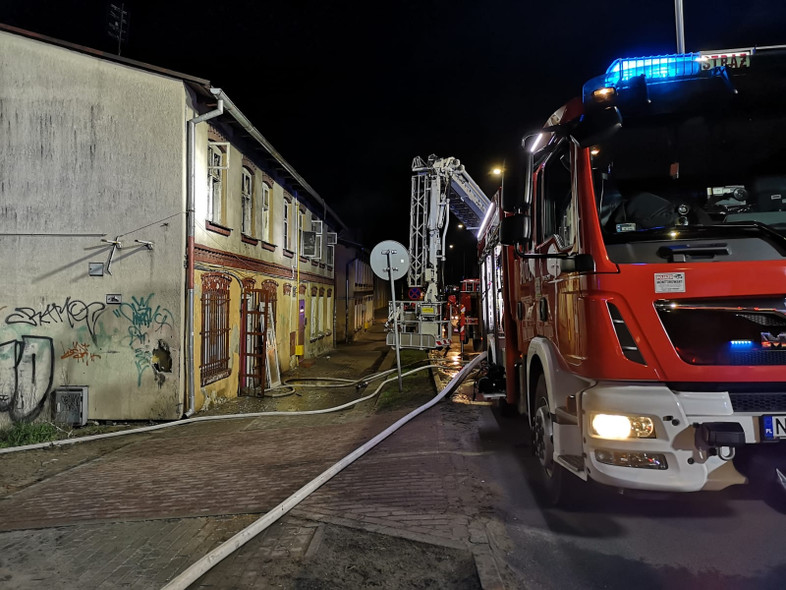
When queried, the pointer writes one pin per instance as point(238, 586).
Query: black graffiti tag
point(26, 373)
point(73, 312)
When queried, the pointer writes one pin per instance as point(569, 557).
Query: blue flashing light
point(741, 344)
point(656, 68)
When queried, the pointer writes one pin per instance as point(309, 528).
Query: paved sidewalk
point(136, 516)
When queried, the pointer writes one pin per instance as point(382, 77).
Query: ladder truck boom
point(439, 186)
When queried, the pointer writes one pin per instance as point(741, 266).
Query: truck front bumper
point(675, 459)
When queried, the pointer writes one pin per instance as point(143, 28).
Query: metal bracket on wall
point(116, 245)
point(148, 245)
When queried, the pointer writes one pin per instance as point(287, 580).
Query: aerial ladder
point(439, 186)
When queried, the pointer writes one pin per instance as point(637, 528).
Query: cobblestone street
point(137, 515)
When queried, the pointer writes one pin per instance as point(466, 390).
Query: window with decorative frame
point(215, 352)
point(247, 201)
point(217, 162)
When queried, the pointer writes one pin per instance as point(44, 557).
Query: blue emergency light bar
point(654, 69)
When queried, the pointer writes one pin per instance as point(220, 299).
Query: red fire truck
point(643, 272)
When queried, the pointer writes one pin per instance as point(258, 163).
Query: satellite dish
point(398, 260)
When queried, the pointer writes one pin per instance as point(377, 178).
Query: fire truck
point(637, 283)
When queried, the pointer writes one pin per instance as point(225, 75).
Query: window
point(287, 205)
point(316, 227)
point(215, 328)
point(247, 201)
point(314, 319)
point(322, 311)
point(329, 259)
point(557, 214)
point(216, 164)
point(329, 311)
point(301, 227)
point(264, 218)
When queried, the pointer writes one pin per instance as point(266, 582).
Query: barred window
point(215, 328)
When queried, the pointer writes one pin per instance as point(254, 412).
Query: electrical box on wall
point(70, 405)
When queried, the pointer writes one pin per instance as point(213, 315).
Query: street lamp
point(500, 171)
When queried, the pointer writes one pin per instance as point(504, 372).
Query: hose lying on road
point(70, 441)
point(200, 567)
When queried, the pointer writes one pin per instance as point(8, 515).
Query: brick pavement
point(135, 517)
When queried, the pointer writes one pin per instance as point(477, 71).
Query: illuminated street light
point(500, 171)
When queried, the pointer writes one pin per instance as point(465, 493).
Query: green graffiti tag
point(143, 318)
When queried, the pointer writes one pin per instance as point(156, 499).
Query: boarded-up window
point(215, 328)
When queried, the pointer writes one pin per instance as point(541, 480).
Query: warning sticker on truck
point(669, 282)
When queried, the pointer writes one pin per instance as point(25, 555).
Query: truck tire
point(559, 488)
point(477, 344)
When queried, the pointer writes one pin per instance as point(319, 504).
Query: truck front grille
point(738, 332)
point(761, 403)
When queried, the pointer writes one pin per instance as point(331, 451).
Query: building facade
point(159, 253)
point(360, 294)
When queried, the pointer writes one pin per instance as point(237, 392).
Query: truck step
point(576, 462)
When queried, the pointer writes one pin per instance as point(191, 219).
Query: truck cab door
point(555, 233)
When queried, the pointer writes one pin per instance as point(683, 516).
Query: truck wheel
point(477, 344)
point(558, 485)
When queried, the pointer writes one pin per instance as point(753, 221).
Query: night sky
point(350, 92)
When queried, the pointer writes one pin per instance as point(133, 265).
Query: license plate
point(773, 427)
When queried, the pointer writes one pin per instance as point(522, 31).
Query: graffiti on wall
point(27, 362)
point(142, 317)
point(80, 351)
point(26, 372)
point(74, 312)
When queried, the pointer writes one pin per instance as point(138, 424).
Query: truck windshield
point(707, 169)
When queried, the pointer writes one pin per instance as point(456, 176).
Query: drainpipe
point(190, 225)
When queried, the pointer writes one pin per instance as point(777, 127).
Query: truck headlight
point(621, 426)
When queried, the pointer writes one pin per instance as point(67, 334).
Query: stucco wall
point(90, 147)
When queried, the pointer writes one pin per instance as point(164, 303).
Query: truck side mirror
point(515, 229)
point(578, 263)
